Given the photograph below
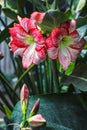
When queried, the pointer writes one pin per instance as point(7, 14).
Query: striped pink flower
point(64, 44)
point(27, 41)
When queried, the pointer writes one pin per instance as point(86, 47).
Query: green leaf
point(38, 5)
point(84, 10)
point(81, 21)
point(82, 31)
point(80, 5)
point(12, 3)
point(7, 111)
point(10, 13)
point(5, 33)
point(70, 68)
point(78, 78)
point(57, 110)
point(82, 26)
point(53, 19)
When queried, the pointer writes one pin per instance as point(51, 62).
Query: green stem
point(47, 5)
point(55, 76)
point(22, 76)
point(56, 4)
point(71, 4)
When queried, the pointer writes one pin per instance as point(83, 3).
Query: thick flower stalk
point(27, 41)
point(64, 43)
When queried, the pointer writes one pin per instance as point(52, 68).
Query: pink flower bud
point(37, 120)
point(24, 98)
point(24, 93)
point(35, 108)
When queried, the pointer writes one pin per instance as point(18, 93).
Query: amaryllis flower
point(64, 43)
point(37, 120)
point(38, 16)
point(27, 42)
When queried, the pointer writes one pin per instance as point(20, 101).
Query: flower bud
point(24, 98)
point(35, 108)
point(37, 120)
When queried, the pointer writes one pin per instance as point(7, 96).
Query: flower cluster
point(27, 41)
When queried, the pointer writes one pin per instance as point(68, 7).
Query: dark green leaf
point(82, 31)
point(84, 10)
point(38, 5)
point(63, 5)
point(78, 78)
point(81, 21)
point(10, 13)
point(58, 110)
point(53, 19)
point(12, 3)
point(82, 26)
point(5, 33)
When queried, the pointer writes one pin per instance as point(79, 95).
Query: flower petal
point(56, 36)
point(38, 16)
point(64, 58)
point(78, 45)
point(18, 34)
point(38, 38)
point(28, 56)
point(26, 23)
point(19, 52)
point(74, 53)
point(52, 53)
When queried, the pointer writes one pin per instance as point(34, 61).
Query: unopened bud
point(35, 108)
point(24, 97)
point(37, 120)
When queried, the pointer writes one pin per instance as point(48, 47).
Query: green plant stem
point(22, 76)
point(55, 76)
point(47, 5)
point(56, 4)
point(71, 4)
